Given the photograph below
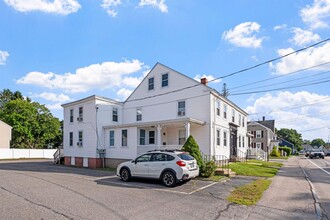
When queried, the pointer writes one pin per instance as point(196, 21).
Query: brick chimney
point(204, 81)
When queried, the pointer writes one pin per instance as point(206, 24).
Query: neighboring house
point(285, 143)
point(5, 135)
point(307, 147)
point(161, 113)
point(263, 134)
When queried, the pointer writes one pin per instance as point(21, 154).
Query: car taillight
point(181, 163)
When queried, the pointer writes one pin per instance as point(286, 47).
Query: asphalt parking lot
point(41, 190)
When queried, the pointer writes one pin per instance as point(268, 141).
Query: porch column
point(187, 126)
point(159, 135)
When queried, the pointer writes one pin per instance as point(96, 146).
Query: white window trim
point(257, 131)
point(218, 130)
point(185, 108)
point(114, 139)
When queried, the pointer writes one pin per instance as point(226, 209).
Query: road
point(318, 172)
point(41, 190)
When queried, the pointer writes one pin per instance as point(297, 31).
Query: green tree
point(290, 135)
point(318, 142)
point(225, 90)
point(6, 95)
point(192, 148)
point(33, 124)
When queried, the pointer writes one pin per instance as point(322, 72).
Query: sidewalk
point(288, 197)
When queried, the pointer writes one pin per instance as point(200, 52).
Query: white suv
point(170, 166)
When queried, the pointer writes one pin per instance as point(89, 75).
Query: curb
point(319, 212)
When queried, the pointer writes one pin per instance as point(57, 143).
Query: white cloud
point(57, 6)
point(317, 14)
point(110, 5)
point(304, 59)
point(3, 57)
point(303, 37)
point(160, 4)
point(52, 97)
point(56, 106)
point(95, 76)
point(279, 27)
point(254, 58)
point(209, 78)
point(124, 93)
point(294, 110)
point(244, 35)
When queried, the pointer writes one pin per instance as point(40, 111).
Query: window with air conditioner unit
point(80, 139)
point(80, 114)
point(182, 108)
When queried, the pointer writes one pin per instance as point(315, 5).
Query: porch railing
point(241, 156)
point(256, 153)
point(220, 160)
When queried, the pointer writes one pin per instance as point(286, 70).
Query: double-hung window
point(71, 115)
point(165, 80)
point(151, 83)
point(225, 138)
point(80, 114)
point(218, 137)
point(139, 114)
point(124, 137)
point(70, 139)
point(112, 138)
point(182, 137)
point(239, 119)
point(233, 116)
point(115, 114)
point(225, 111)
point(80, 138)
point(258, 134)
point(239, 141)
point(142, 137)
point(152, 137)
point(243, 141)
point(217, 106)
point(243, 121)
point(182, 108)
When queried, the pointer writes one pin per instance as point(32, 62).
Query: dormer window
point(165, 80)
point(151, 83)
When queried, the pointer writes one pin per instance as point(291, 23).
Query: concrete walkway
point(288, 197)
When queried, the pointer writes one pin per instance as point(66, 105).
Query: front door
point(233, 142)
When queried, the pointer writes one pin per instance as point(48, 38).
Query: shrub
point(192, 148)
point(275, 153)
point(208, 168)
point(288, 150)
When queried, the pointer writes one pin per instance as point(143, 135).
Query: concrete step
point(225, 172)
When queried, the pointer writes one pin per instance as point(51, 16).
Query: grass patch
point(249, 194)
point(265, 163)
point(261, 168)
point(214, 178)
point(285, 158)
point(109, 169)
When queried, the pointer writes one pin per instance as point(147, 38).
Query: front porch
point(165, 135)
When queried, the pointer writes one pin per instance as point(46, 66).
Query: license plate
point(192, 165)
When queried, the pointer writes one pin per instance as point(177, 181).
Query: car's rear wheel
point(125, 174)
point(169, 179)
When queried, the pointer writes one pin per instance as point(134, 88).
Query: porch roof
point(161, 122)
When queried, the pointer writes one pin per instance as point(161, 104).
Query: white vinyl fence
point(26, 153)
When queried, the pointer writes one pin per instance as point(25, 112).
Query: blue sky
point(63, 50)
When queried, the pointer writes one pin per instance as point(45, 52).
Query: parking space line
point(204, 187)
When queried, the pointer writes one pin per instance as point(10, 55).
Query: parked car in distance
point(316, 153)
point(170, 166)
point(327, 153)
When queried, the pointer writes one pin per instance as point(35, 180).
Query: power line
point(275, 77)
point(234, 73)
point(289, 87)
point(326, 99)
point(272, 60)
point(297, 79)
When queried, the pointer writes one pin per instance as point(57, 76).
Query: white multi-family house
point(161, 113)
